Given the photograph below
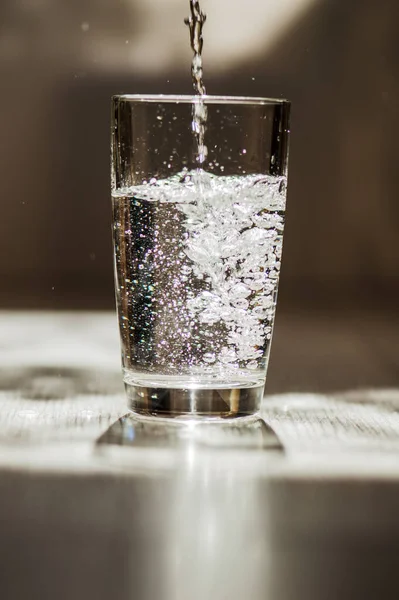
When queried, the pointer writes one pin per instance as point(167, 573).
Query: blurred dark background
point(338, 62)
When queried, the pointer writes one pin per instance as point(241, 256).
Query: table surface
point(300, 503)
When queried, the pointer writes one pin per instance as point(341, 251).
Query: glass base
point(211, 403)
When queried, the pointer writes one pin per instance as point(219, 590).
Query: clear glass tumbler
point(198, 197)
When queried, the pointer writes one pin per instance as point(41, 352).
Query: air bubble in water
point(252, 365)
point(209, 357)
point(239, 290)
point(241, 303)
point(185, 270)
point(227, 355)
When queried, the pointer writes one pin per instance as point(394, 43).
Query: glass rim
point(193, 99)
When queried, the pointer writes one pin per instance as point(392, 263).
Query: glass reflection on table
point(246, 433)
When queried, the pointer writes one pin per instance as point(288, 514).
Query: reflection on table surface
point(224, 521)
point(208, 513)
point(244, 433)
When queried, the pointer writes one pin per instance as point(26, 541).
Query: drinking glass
point(198, 200)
